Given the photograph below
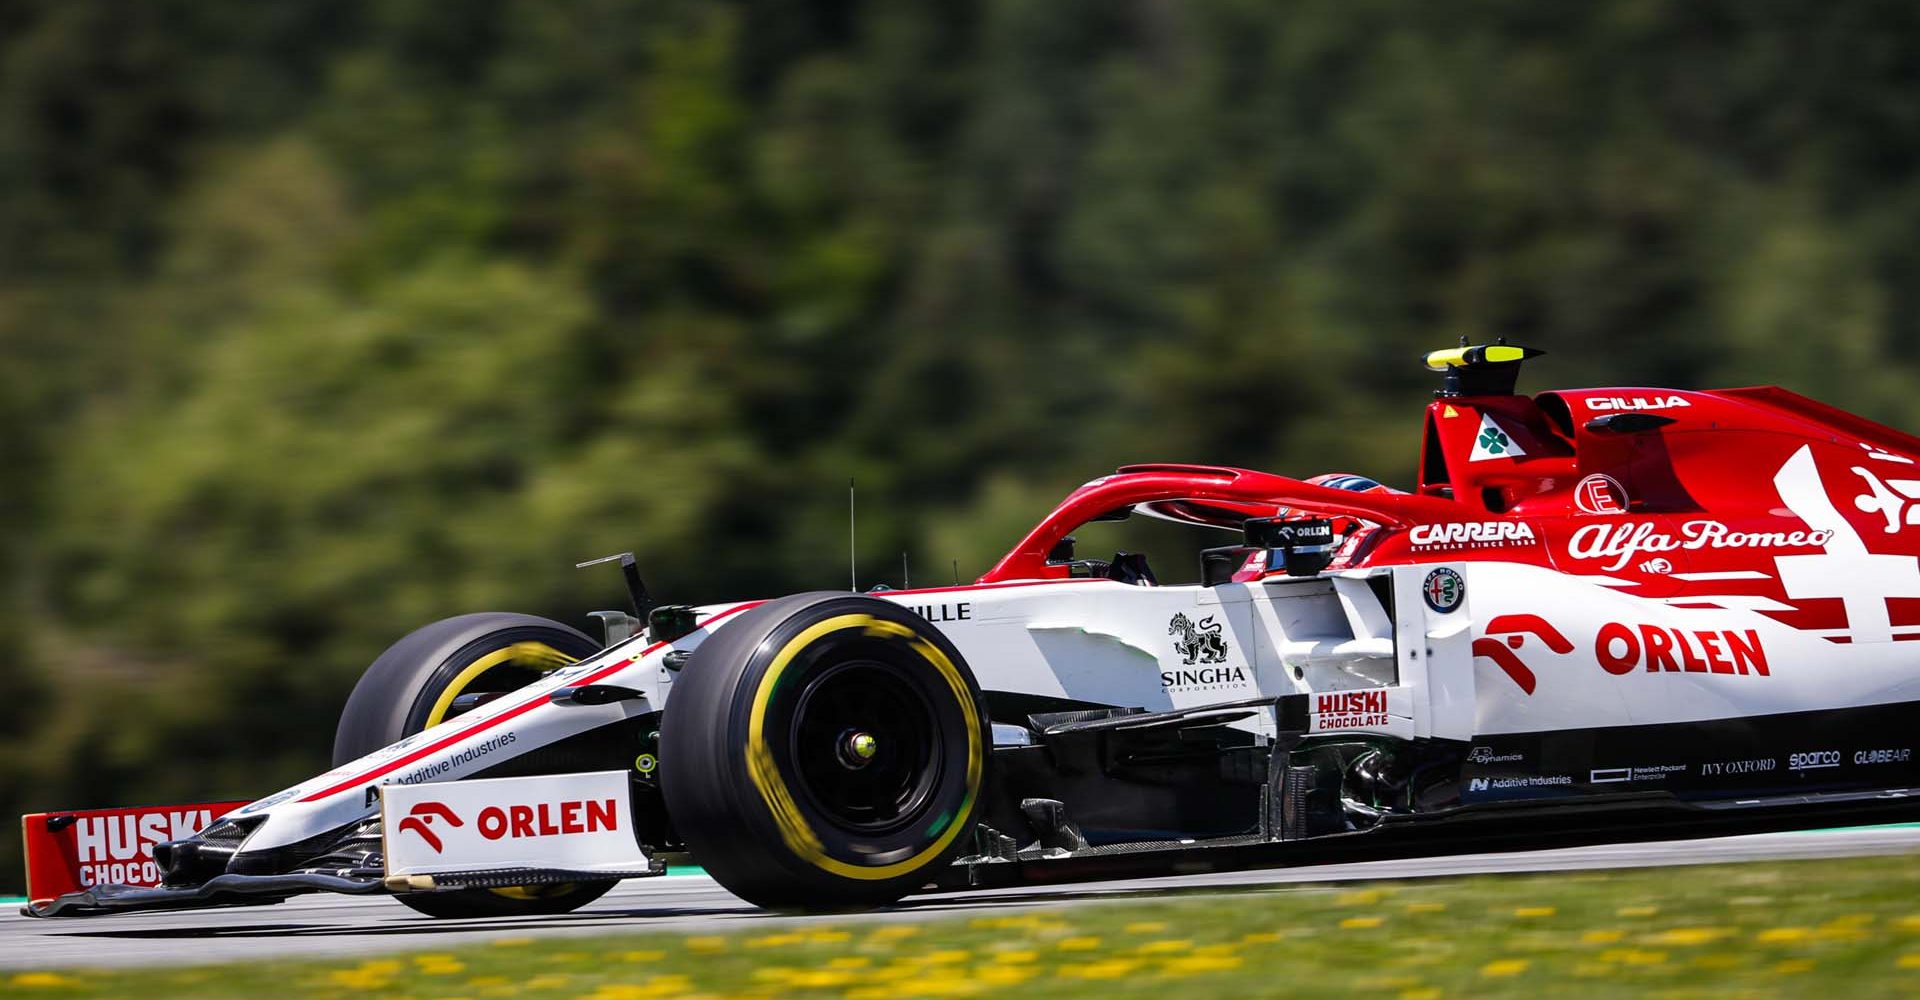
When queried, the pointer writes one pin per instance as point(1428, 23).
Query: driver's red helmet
point(1350, 482)
point(1337, 481)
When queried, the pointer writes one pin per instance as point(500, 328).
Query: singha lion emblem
point(1197, 643)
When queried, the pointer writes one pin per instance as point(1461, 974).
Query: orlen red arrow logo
point(1516, 628)
point(420, 819)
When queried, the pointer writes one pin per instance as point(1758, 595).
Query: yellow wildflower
point(42, 981)
point(656, 987)
point(1689, 935)
point(1003, 975)
point(366, 976)
point(1842, 929)
point(1361, 923)
point(1112, 968)
point(1504, 967)
point(947, 986)
point(1190, 964)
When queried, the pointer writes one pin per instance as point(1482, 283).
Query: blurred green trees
point(321, 320)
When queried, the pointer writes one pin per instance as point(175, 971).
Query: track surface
point(342, 925)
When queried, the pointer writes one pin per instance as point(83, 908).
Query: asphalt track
point(341, 925)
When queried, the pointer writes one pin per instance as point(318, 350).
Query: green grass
point(1840, 928)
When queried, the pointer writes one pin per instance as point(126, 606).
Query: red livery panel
point(71, 851)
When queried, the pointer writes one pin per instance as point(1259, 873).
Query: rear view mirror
point(1272, 533)
point(1305, 546)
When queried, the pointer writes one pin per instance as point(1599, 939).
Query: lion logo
point(1197, 642)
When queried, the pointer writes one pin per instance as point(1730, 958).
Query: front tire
point(414, 686)
point(826, 751)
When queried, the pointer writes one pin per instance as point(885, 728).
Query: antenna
point(853, 581)
point(906, 582)
point(956, 572)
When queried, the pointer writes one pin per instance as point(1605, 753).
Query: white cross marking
point(1846, 570)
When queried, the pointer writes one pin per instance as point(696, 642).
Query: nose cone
point(191, 861)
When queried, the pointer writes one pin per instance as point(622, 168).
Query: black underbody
point(1192, 776)
point(1102, 792)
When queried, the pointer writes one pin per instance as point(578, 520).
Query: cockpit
point(1171, 532)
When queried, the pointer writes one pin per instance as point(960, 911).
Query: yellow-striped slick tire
point(824, 751)
point(413, 685)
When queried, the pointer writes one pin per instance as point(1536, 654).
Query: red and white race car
point(1600, 612)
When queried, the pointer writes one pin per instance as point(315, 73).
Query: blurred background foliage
point(322, 319)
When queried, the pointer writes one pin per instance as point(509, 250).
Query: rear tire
point(412, 686)
point(825, 751)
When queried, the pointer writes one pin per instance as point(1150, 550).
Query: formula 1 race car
point(1604, 612)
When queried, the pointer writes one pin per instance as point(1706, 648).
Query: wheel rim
point(864, 743)
point(497, 673)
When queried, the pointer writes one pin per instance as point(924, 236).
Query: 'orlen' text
point(1622, 649)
